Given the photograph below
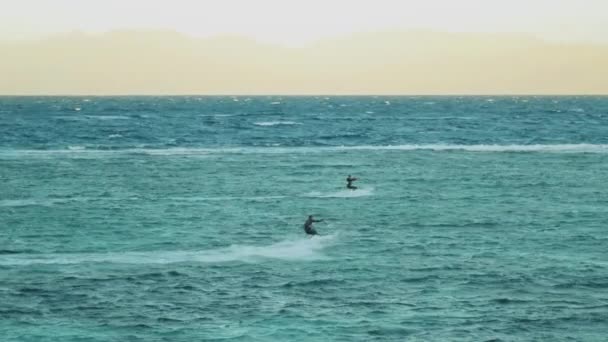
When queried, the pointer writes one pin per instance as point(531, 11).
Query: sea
point(476, 218)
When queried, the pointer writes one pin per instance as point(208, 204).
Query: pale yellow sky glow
point(299, 22)
point(119, 47)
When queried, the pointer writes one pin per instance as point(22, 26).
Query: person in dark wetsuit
point(308, 228)
point(349, 182)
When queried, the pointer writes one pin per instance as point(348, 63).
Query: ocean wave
point(316, 283)
point(217, 115)
point(224, 198)
point(361, 192)
point(42, 202)
point(304, 249)
point(82, 151)
point(10, 251)
point(566, 148)
point(76, 147)
point(77, 117)
point(48, 202)
point(276, 123)
point(538, 148)
point(69, 117)
point(107, 117)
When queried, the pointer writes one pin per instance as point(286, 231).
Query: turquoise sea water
point(180, 219)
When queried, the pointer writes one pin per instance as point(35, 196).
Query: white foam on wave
point(276, 123)
point(565, 148)
point(177, 151)
point(303, 249)
point(185, 151)
point(217, 115)
point(361, 192)
point(224, 198)
point(26, 202)
point(86, 117)
point(76, 148)
point(42, 202)
point(107, 117)
point(46, 202)
point(557, 148)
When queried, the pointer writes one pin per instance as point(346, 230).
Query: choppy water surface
point(180, 219)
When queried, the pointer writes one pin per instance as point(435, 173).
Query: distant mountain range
point(412, 62)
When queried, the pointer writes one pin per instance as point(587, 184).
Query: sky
point(121, 47)
point(296, 23)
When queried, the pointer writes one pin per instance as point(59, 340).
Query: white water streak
point(549, 148)
point(361, 192)
point(303, 249)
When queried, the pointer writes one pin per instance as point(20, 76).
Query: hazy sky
point(415, 47)
point(295, 22)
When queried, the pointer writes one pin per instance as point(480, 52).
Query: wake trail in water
point(303, 249)
point(361, 192)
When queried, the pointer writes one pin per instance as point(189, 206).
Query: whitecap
point(224, 198)
point(107, 117)
point(276, 123)
point(24, 202)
